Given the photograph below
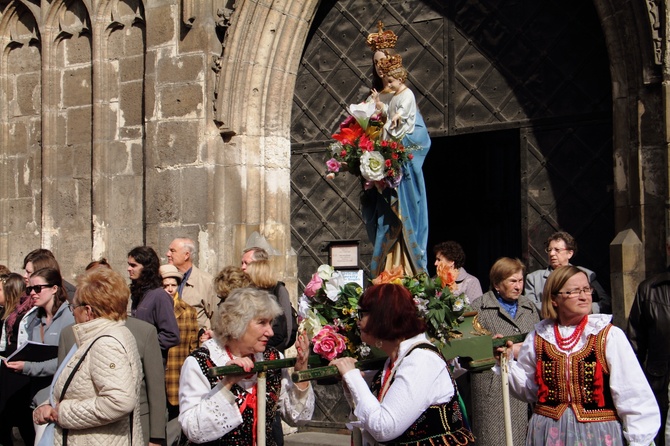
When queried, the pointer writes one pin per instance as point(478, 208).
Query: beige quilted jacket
point(105, 389)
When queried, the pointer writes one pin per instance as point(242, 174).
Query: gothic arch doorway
point(475, 67)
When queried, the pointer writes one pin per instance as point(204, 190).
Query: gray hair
point(188, 244)
point(241, 307)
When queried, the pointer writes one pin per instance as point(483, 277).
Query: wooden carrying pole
point(261, 384)
point(507, 413)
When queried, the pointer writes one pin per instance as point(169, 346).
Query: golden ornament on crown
point(382, 40)
point(389, 64)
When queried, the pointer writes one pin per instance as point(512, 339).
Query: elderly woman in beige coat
point(95, 392)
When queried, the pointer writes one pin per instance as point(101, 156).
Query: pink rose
point(313, 286)
point(328, 343)
point(333, 165)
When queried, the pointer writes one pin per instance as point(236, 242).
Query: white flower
point(303, 306)
point(372, 166)
point(458, 304)
point(364, 350)
point(311, 324)
point(335, 147)
point(333, 286)
point(362, 112)
point(421, 305)
point(325, 272)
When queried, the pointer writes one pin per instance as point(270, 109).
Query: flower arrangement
point(328, 309)
point(360, 150)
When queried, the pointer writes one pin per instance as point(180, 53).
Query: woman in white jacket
point(95, 393)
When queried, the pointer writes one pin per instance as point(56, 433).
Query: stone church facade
point(129, 122)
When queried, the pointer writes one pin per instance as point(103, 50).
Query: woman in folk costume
point(581, 373)
point(414, 398)
point(223, 411)
point(397, 219)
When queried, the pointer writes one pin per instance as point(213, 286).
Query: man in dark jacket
point(649, 334)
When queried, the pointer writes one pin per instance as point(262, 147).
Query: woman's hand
point(16, 366)
point(45, 414)
point(302, 347)
point(246, 363)
point(509, 348)
point(344, 365)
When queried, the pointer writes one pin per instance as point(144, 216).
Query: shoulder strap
point(422, 345)
point(275, 290)
point(69, 380)
point(76, 367)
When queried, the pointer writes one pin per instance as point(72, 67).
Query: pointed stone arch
point(20, 128)
point(253, 108)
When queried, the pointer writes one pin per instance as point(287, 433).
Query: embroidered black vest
point(441, 424)
point(587, 389)
point(243, 434)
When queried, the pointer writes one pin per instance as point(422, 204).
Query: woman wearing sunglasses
point(43, 324)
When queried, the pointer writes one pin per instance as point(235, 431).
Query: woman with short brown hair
point(96, 391)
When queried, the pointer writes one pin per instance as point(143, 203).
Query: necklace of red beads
point(568, 343)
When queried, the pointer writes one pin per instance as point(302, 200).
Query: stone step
point(317, 439)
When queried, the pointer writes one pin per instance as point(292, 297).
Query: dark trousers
point(277, 431)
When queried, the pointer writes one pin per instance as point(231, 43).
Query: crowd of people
point(128, 362)
point(130, 357)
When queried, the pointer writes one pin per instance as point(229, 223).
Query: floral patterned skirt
point(567, 431)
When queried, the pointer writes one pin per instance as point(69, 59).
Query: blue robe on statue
point(401, 215)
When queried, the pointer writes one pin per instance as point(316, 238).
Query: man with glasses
point(560, 248)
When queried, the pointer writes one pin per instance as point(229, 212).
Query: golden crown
point(389, 64)
point(382, 40)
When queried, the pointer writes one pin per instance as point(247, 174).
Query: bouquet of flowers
point(434, 298)
point(360, 150)
point(329, 306)
point(328, 309)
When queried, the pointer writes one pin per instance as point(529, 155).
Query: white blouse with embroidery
point(632, 396)
point(207, 413)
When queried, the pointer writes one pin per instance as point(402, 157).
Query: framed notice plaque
point(343, 254)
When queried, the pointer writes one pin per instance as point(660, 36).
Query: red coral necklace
point(568, 343)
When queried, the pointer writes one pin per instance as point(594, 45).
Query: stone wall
point(127, 122)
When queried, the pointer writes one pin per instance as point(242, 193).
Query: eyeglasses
point(576, 293)
point(36, 288)
point(75, 306)
point(558, 250)
point(360, 314)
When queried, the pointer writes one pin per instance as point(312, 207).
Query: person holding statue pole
point(229, 410)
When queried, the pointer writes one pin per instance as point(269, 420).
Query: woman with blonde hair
point(262, 276)
point(95, 393)
point(581, 373)
point(12, 288)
